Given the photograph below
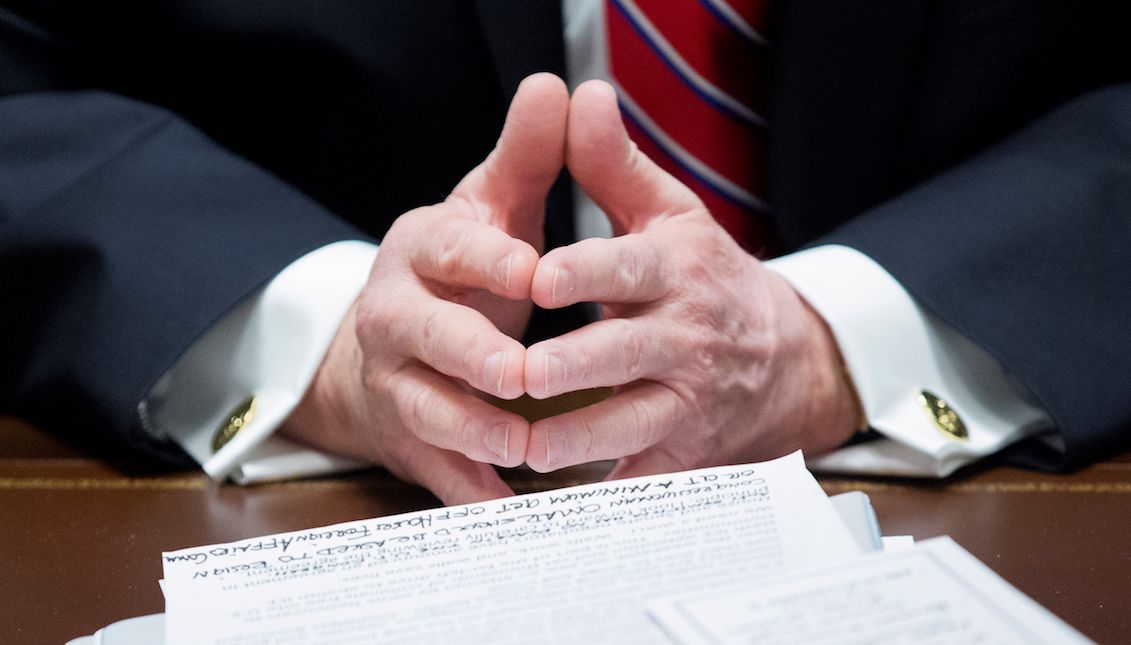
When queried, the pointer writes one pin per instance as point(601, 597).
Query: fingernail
point(561, 287)
point(505, 271)
point(553, 373)
point(495, 370)
point(497, 440)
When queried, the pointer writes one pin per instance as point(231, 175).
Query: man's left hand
point(714, 358)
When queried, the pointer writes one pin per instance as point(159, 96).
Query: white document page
point(572, 565)
point(935, 592)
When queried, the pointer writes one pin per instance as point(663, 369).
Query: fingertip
point(552, 283)
point(505, 441)
point(598, 149)
point(539, 112)
point(528, 156)
point(544, 371)
point(532, 377)
point(612, 170)
point(515, 271)
point(595, 91)
point(515, 386)
point(543, 83)
point(504, 371)
point(519, 442)
point(539, 447)
point(594, 113)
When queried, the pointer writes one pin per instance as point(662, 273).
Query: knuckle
point(644, 426)
point(633, 270)
point(703, 360)
point(370, 317)
point(475, 354)
point(406, 225)
point(479, 346)
point(446, 256)
point(431, 330)
point(468, 433)
point(400, 228)
point(440, 247)
point(587, 431)
point(579, 361)
point(374, 380)
point(708, 324)
point(702, 344)
point(696, 268)
point(365, 326)
point(380, 327)
point(415, 402)
point(634, 349)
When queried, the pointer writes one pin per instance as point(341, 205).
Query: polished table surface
point(81, 541)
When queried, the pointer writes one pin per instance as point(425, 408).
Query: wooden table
point(81, 542)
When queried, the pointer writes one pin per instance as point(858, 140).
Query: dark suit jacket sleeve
point(1024, 249)
point(124, 233)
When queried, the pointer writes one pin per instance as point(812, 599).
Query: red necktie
point(690, 78)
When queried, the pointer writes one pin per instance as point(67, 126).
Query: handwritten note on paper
point(935, 592)
point(575, 564)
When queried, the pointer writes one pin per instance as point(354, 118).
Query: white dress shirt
point(272, 345)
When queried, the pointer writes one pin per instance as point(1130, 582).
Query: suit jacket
point(160, 161)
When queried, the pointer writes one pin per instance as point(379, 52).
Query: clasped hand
point(712, 357)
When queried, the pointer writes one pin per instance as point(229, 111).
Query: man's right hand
point(450, 282)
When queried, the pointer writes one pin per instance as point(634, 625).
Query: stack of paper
point(573, 565)
point(752, 553)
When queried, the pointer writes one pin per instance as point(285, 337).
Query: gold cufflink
point(944, 416)
point(237, 420)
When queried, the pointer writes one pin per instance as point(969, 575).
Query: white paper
point(898, 542)
point(142, 630)
point(935, 592)
point(573, 565)
point(855, 509)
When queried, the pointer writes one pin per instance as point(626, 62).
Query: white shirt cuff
point(894, 350)
point(271, 347)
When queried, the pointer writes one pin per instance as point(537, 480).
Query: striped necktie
point(690, 78)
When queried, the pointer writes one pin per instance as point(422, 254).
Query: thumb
point(623, 181)
point(512, 183)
